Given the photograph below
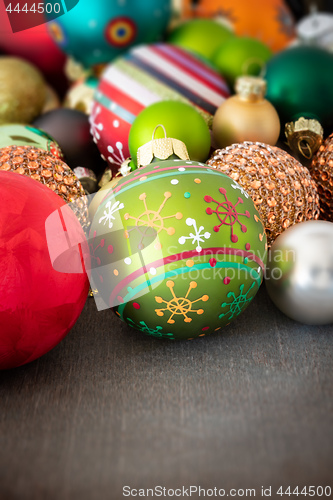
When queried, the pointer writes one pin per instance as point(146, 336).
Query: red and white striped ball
point(148, 74)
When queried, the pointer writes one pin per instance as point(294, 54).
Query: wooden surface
point(108, 407)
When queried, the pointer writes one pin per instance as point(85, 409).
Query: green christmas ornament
point(178, 248)
point(202, 36)
point(181, 121)
point(17, 134)
point(299, 85)
point(240, 56)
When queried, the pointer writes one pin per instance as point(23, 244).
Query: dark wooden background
point(109, 407)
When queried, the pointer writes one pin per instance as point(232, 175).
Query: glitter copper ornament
point(281, 188)
point(49, 170)
point(321, 170)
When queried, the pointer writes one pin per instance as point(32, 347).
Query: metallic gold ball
point(299, 272)
point(22, 91)
point(321, 170)
point(46, 168)
point(281, 188)
point(246, 116)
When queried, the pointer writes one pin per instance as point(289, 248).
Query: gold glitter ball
point(281, 188)
point(321, 170)
point(22, 91)
point(49, 170)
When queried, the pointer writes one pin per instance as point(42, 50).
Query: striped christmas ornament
point(178, 249)
point(146, 75)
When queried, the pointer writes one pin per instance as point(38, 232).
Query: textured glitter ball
point(47, 169)
point(281, 188)
point(322, 172)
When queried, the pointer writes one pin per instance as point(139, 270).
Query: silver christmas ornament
point(299, 272)
point(316, 29)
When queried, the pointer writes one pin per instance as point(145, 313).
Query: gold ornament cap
point(80, 97)
point(106, 177)
point(304, 136)
point(161, 149)
point(123, 170)
point(75, 70)
point(251, 88)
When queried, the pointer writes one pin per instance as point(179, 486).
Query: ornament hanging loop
point(257, 61)
point(155, 129)
point(161, 149)
point(304, 148)
point(304, 136)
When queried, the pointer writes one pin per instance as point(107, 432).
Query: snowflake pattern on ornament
point(95, 128)
point(180, 306)
point(117, 158)
point(108, 214)
point(198, 237)
point(154, 332)
point(227, 213)
point(238, 303)
point(151, 222)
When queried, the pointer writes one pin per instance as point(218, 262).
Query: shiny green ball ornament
point(180, 121)
point(202, 36)
point(299, 84)
point(178, 248)
point(16, 134)
point(241, 56)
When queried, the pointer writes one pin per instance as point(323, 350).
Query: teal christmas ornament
point(94, 33)
point(299, 85)
point(178, 249)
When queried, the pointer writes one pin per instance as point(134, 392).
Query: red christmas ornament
point(34, 45)
point(43, 285)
